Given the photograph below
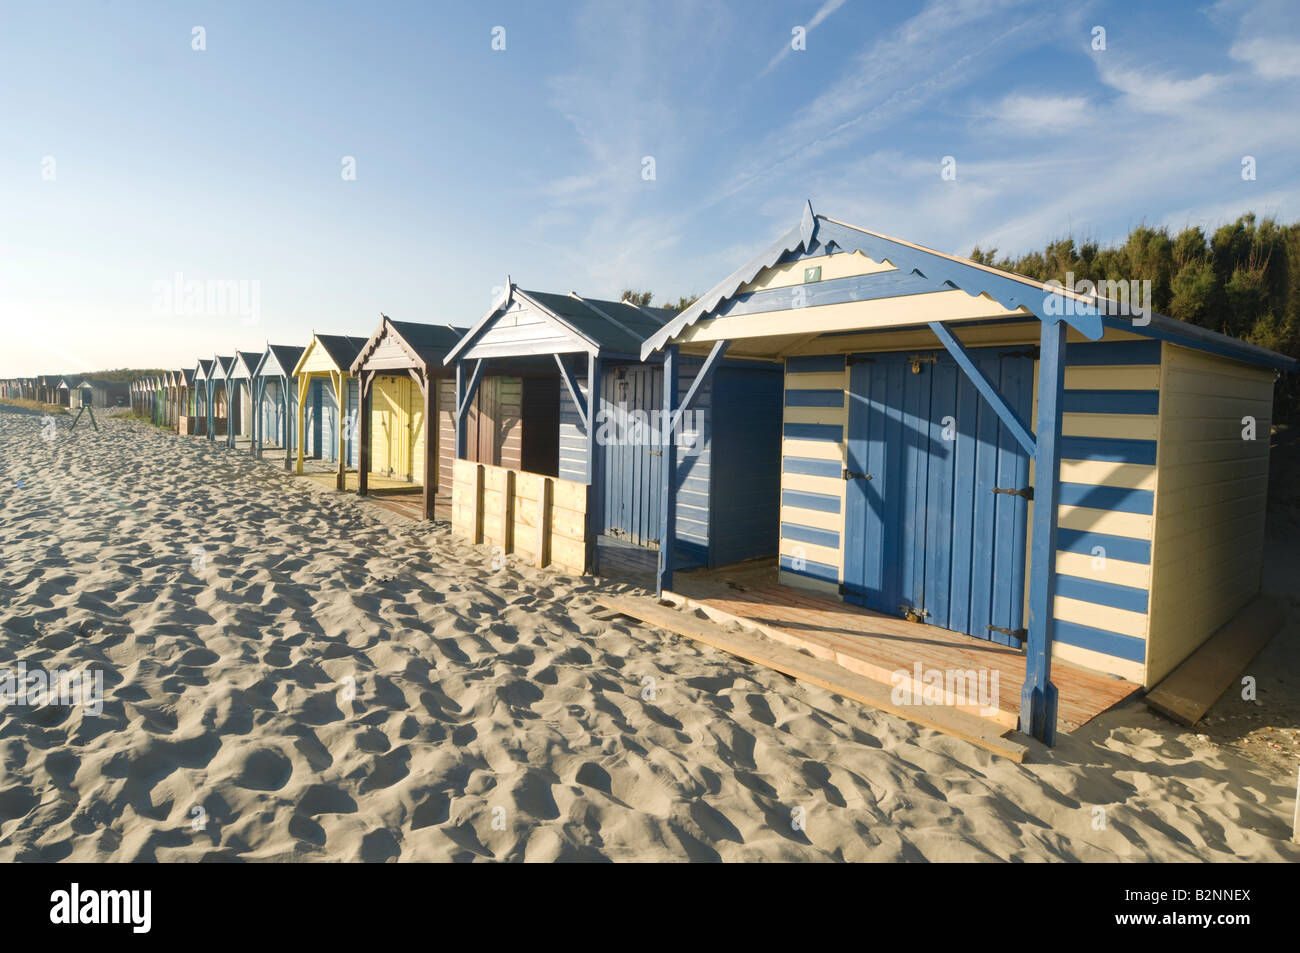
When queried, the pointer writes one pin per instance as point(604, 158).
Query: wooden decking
point(870, 644)
point(396, 496)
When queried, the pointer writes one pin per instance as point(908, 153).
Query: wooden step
point(1190, 690)
point(821, 672)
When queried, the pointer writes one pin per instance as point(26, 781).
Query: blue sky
point(472, 163)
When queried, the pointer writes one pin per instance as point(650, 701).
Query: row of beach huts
point(71, 392)
point(890, 429)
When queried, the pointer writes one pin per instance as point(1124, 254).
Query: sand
point(292, 673)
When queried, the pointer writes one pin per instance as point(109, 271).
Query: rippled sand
point(291, 673)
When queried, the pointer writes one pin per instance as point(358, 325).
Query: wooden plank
point(543, 553)
point(821, 673)
point(1189, 691)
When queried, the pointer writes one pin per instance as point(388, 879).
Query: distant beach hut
point(406, 423)
point(184, 390)
point(195, 420)
point(276, 400)
point(218, 396)
point(597, 484)
point(239, 384)
point(328, 398)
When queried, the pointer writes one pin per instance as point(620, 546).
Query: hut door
point(925, 531)
point(631, 394)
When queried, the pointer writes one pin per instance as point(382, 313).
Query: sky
point(299, 167)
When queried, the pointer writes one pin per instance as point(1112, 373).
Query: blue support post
point(466, 388)
point(211, 416)
point(1010, 419)
point(595, 465)
point(1038, 696)
point(668, 468)
point(290, 431)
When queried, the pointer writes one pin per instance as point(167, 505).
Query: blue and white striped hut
point(1118, 533)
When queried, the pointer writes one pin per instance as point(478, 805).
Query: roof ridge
point(604, 314)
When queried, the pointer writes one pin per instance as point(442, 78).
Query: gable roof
point(341, 349)
point(245, 361)
point(426, 344)
point(611, 326)
point(278, 360)
point(221, 368)
point(204, 370)
point(922, 269)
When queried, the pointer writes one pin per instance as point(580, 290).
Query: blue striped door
point(926, 532)
point(632, 475)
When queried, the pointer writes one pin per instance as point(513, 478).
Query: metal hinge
point(1026, 491)
point(913, 614)
point(1018, 634)
point(850, 475)
point(656, 453)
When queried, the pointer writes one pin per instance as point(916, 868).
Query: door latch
point(850, 475)
point(1017, 634)
point(1026, 491)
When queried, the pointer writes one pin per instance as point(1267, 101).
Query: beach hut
point(218, 400)
point(328, 398)
point(181, 397)
point(276, 400)
point(239, 409)
point(1116, 534)
point(202, 397)
point(63, 392)
point(407, 393)
point(606, 459)
point(100, 394)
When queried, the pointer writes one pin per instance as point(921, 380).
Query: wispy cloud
point(1022, 113)
point(824, 11)
point(1154, 92)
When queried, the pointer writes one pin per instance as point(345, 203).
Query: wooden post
point(668, 476)
point(476, 535)
point(255, 415)
point(431, 448)
point(456, 420)
point(1038, 695)
point(303, 383)
point(544, 490)
point(230, 410)
point(508, 512)
point(340, 398)
point(208, 408)
point(366, 381)
point(289, 430)
point(595, 466)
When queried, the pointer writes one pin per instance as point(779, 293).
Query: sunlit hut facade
point(218, 398)
point(197, 421)
point(328, 398)
point(276, 400)
point(184, 397)
point(407, 394)
point(606, 466)
point(1118, 534)
point(239, 420)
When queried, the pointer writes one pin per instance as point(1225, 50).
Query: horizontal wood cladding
point(1207, 550)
